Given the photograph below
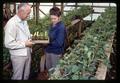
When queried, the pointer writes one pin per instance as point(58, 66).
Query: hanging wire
point(92, 12)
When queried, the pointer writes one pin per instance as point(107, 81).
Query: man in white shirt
point(18, 41)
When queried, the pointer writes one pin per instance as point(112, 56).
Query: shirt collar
point(57, 24)
point(18, 18)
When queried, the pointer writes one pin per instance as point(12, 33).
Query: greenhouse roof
point(92, 17)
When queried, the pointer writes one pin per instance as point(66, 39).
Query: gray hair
point(22, 6)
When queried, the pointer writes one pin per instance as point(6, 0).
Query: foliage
point(81, 60)
point(82, 12)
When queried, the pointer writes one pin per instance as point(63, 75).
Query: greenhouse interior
point(90, 52)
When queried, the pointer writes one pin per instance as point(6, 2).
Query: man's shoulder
point(61, 25)
point(11, 20)
point(10, 23)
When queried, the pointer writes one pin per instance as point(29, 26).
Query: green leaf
point(75, 68)
point(89, 54)
point(86, 48)
point(75, 77)
point(84, 78)
point(93, 78)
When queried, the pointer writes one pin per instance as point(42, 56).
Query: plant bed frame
point(102, 69)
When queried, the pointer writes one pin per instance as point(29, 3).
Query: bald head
point(24, 10)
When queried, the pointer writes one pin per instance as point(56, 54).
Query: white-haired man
point(18, 41)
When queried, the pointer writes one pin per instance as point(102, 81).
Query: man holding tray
point(18, 41)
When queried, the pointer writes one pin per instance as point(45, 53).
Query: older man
point(18, 41)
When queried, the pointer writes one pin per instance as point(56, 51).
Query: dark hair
point(55, 11)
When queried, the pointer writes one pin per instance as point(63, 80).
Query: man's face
point(54, 19)
point(26, 13)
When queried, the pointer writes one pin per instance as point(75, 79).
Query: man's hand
point(28, 43)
